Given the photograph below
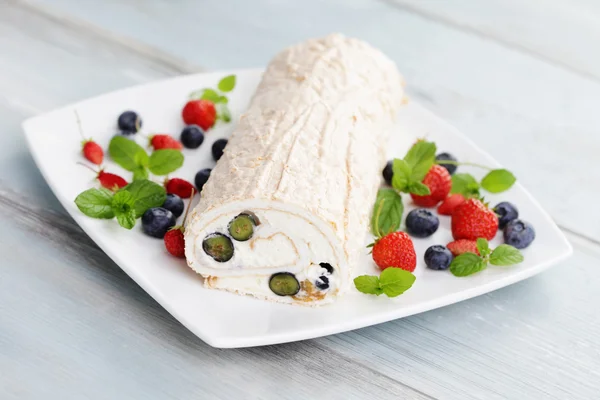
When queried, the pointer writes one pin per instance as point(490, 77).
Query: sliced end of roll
point(267, 249)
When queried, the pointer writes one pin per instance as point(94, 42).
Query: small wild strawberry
point(174, 239)
point(108, 180)
point(199, 112)
point(180, 187)
point(90, 149)
point(159, 142)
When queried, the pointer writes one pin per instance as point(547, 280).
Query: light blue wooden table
point(520, 77)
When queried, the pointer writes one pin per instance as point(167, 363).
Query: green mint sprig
point(409, 172)
point(132, 157)
point(392, 282)
point(469, 263)
point(218, 97)
point(126, 204)
point(387, 212)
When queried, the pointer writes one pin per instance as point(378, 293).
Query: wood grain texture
point(74, 326)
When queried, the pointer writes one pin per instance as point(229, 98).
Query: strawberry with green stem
point(107, 180)
point(90, 149)
point(174, 239)
point(207, 106)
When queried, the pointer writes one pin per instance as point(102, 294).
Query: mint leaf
point(418, 188)
point(467, 264)
point(163, 162)
point(127, 153)
point(210, 95)
point(368, 284)
point(227, 84)
point(464, 184)
point(420, 159)
point(387, 212)
point(224, 114)
point(126, 220)
point(483, 247)
point(123, 207)
point(401, 175)
point(95, 203)
point(140, 173)
point(498, 180)
point(395, 281)
point(505, 255)
point(146, 194)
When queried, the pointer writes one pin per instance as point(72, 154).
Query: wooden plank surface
point(73, 325)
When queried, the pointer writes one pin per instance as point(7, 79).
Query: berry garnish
point(322, 283)
point(447, 207)
point(470, 262)
point(160, 142)
point(519, 234)
point(218, 246)
point(506, 212)
point(217, 148)
point(174, 204)
point(438, 257)
point(174, 239)
point(421, 223)
point(129, 121)
point(447, 161)
point(395, 250)
point(90, 149)
point(439, 182)
point(192, 136)
point(180, 187)
point(200, 112)
point(157, 221)
point(108, 180)
point(284, 284)
point(472, 220)
point(461, 246)
point(388, 172)
point(201, 178)
point(241, 227)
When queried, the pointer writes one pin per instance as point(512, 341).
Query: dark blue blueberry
point(192, 136)
point(518, 234)
point(447, 157)
point(174, 204)
point(327, 266)
point(506, 212)
point(201, 178)
point(421, 223)
point(322, 283)
point(438, 257)
point(218, 147)
point(129, 121)
point(157, 221)
point(388, 172)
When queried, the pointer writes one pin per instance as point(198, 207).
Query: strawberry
point(439, 182)
point(451, 202)
point(199, 112)
point(92, 152)
point(174, 242)
point(395, 250)
point(108, 180)
point(160, 142)
point(180, 187)
point(461, 246)
point(473, 219)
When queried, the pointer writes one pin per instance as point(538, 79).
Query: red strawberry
point(92, 152)
point(180, 187)
point(160, 142)
point(199, 112)
point(451, 202)
point(111, 181)
point(395, 250)
point(174, 242)
point(439, 182)
point(472, 220)
point(461, 246)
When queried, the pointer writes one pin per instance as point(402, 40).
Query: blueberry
point(174, 204)
point(218, 147)
point(506, 213)
point(438, 257)
point(192, 136)
point(327, 267)
point(201, 178)
point(284, 284)
point(447, 157)
point(241, 228)
point(421, 223)
point(129, 121)
point(322, 283)
point(218, 246)
point(518, 234)
point(157, 221)
point(388, 172)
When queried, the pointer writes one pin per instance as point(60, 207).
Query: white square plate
point(227, 320)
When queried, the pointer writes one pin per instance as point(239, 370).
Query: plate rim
point(284, 337)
